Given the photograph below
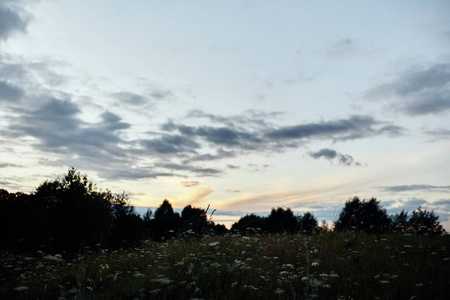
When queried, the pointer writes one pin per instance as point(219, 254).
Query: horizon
point(243, 106)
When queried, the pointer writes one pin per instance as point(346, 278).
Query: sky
point(240, 105)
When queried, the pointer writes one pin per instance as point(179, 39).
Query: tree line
point(70, 215)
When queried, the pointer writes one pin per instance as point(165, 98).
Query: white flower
point(214, 244)
point(315, 264)
point(21, 288)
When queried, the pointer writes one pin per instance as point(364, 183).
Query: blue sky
point(243, 105)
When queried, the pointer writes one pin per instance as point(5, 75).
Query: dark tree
point(148, 216)
point(281, 220)
point(400, 221)
point(424, 221)
point(194, 219)
point(249, 224)
point(166, 223)
point(307, 223)
point(164, 211)
point(128, 227)
point(76, 215)
point(363, 215)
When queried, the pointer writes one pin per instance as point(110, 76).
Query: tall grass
point(283, 266)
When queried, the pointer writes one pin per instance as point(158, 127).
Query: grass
point(324, 266)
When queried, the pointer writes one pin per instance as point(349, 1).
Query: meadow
point(330, 265)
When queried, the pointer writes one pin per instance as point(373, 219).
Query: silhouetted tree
point(249, 224)
point(77, 216)
point(128, 227)
point(361, 215)
point(194, 218)
point(400, 221)
point(148, 216)
point(281, 220)
point(166, 223)
point(424, 221)
point(307, 223)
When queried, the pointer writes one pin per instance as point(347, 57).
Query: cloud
point(355, 127)
point(7, 165)
point(325, 153)
point(329, 154)
point(189, 183)
point(340, 47)
point(419, 91)
point(130, 98)
point(415, 187)
point(12, 19)
point(439, 133)
point(10, 92)
point(171, 144)
point(190, 168)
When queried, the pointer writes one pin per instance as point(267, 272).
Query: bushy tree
point(281, 220)
point(166, 222)
point(250, 224)
point(400, 222)
point(363, 215)
point(194, 218)
point(424, 221)
point(76, 214)
point(307, 223)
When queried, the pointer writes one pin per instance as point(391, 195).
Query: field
point(323, 266)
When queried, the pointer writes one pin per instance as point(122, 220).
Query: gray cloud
point(325, 153)
point(343, 159)
point(418, 91)
point(340, 47)
point(130, 98)
point(355, 127)
point(10, 92)
point(58, 129)
point(192, 169)
point(12, 19)
point(189, 183)
point(439, 133)
point(7, 165)
point(171, 144)
point(415, 187)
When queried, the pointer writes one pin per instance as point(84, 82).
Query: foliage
point(363, 215)
point(307, 223)
point(250, 224)
point(424, 221)
point(334, 265)
point(281, 220)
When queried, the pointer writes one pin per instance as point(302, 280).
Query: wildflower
point(137, 274)
point(21, 289)
point(327, 286)
point(214, 244)
point(305, 279)
point(53, 258)
point(315, 264)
